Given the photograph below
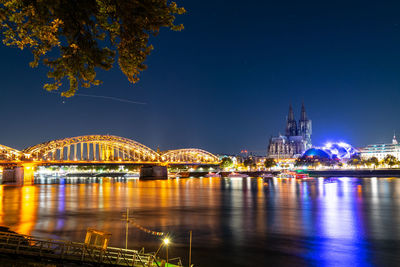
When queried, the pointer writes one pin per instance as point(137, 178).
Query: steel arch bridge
point(8, 153)
point(92, 148)
point(189, 155)
point(103, 148)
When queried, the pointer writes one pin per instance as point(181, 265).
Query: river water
point(235, 222)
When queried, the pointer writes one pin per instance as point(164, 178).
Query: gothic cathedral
point(297, 138)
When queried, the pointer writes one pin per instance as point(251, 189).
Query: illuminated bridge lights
point(8, 153)
point(188, 155)
point(104, 148)
point(92, 148)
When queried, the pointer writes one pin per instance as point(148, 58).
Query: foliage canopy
point(269, 163)
point(390, 160)
point(374, 161)
point(74, 37)
point(249, 162)
point(226, 162)
point(355, 160)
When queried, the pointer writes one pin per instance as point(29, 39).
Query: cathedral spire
point(305, 129)
point(291, 125)
point(303, 116)
point(291, 115)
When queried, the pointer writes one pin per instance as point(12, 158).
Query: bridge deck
point(76, 252)
point(99, 162)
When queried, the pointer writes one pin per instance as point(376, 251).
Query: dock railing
point(11, 243)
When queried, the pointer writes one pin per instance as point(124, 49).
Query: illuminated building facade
point(296, 140)
point(380, 151)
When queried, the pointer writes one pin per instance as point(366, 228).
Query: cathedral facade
point(296, 140)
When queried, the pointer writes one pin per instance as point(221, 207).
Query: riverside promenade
point(355, 173)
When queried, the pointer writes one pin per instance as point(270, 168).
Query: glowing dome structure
point(340, 150)
point(316, 152)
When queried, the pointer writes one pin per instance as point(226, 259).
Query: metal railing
point(11, 243)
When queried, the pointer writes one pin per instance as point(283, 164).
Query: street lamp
point(166, 242)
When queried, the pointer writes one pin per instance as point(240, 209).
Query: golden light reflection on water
point(28, 209)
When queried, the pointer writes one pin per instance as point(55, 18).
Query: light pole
point(190, 248)
point(166, 242)
point(155, 254)
point(127, 226)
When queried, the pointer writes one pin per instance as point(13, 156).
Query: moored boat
point(286, 175)
point(266, 175)
point(213, 174)
point(237, 175)
point(302, 176)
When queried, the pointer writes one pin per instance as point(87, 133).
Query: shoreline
point(384, 173)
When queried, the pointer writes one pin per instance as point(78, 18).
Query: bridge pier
point(153, 173)
point(19, 174)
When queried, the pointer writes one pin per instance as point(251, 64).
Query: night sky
point(225, 82)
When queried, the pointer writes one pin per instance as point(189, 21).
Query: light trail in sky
point(109, 98)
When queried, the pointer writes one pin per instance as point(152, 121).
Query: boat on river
point(287, 175)
point(293, 175)
point(213, 174)
point(302, 176)
point(237, 175)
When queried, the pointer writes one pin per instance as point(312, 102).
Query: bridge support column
point(153, 173)
point(103, 152)
point(99, 148)
point(8, 176)
point(19, 175)
point(99, 152)
point(68, 152)
point(112, 153)
point(106, 152)
point(94, 152)
point(87, 151)
point(116, 153)
point(75, 148)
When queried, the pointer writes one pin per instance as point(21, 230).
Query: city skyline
point(200, 133)
point(224, 85)
point(250, 152)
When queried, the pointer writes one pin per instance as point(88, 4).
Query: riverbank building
point(380, 151)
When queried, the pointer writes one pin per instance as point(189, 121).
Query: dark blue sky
point(226, 81)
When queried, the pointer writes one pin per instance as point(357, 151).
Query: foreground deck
point(67, 251)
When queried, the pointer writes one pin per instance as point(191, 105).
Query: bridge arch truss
point(92, 148)
point(8, 153)
point(189, 156)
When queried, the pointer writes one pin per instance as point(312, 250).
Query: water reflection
point(239, 222)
